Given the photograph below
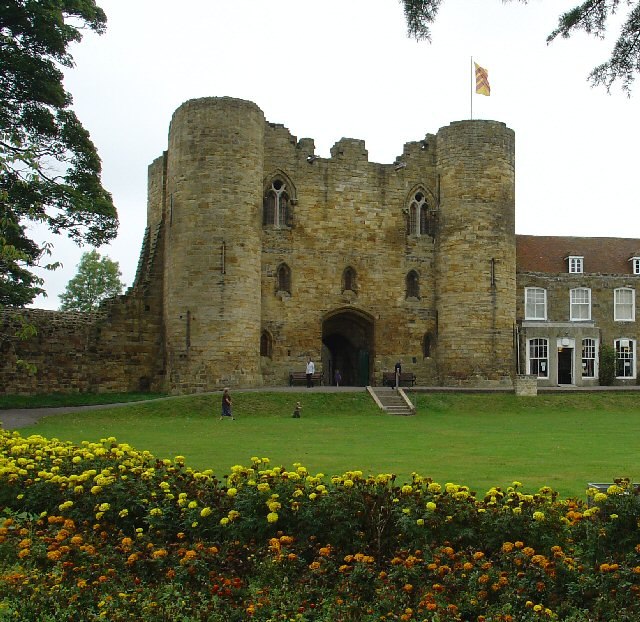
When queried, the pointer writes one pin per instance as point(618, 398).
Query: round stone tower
point(212, 220)
point(476, 252)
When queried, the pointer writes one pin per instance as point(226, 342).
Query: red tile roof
point(601, 255)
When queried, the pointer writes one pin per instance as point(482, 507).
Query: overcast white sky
point(346, 68)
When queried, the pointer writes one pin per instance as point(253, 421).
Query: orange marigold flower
point(484, 578)
point(507, 547)
point(54, 556)
point(528, 551)
point(431, 607)
point(478, 555)
point(518, 544)
point(467, 566)
point(407, 587)
point(314, 565)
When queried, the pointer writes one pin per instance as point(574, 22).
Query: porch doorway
point(347, 339)
point(565, 365)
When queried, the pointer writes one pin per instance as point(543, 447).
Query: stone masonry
point(259, 255)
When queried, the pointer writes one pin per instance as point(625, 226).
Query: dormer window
point(635, 264)
point(576, 264)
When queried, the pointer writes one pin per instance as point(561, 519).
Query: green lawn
point(562, 440)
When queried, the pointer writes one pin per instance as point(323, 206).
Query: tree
point(590, 16)
point(49, 168)
point(97, 279)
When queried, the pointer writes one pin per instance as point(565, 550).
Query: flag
point(482, 81)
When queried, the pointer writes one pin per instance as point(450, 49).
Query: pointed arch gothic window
point(283, 277)
point(419, 215)
point(349, 279)
point(413, 285)
point(276, 205)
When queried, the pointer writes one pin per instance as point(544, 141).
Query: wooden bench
point(301, 377)
point(407, 378)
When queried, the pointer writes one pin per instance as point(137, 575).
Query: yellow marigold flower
point(103, 507)
point(420, 522)
point(406, 489)
point(434, 488)
point(600, 497)
point(312, 496)
point(431, 506)
point(348, 483)
point(192, 505)
point(224, 521)
point(614, 490)
point(262, 487)
point(272, 517)
point(156, 512)
point(613, 516)
point(232, 492)
point(123, 513)
point(63, 506)
point(274, 506)
point(233, 514)
point(205, 512)
point(538, 516)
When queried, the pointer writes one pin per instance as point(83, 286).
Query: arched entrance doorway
point(347, 339)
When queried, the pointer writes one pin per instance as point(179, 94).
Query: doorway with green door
point(347, 339)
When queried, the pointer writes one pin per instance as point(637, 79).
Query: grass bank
point(53, 400)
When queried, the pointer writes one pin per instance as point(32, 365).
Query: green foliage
point(118, 534)
point(607, 369)
point(97, 279)
point(49, 168)
point(590, 16)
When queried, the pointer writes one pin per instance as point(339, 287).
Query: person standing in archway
point(311, 368)
point(398, 372)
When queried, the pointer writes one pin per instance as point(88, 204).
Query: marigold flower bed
point(102, 531)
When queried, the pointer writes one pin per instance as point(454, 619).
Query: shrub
point(607, 369)
point(118, 534)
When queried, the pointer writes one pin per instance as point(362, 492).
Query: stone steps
point(391, 401)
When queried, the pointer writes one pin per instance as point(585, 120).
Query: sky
point(346, 68)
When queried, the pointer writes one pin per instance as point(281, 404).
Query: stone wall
point(116, 349)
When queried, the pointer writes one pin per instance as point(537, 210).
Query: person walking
point(226, 405)
point(311, 368)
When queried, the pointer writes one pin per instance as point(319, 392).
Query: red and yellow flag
point(482, 80)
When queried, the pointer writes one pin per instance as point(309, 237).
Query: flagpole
point(471, 88)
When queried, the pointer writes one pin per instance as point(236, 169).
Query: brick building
point(259, 254)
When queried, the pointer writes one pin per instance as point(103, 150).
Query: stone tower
point(476, 251)
point(212, 303)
